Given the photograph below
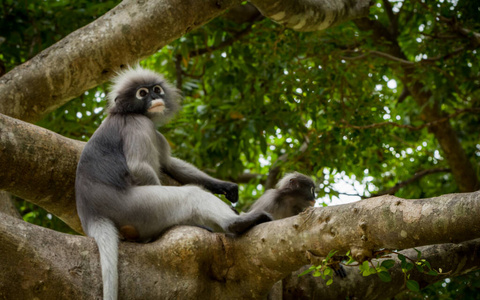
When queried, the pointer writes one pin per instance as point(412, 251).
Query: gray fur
point(118, 182)
point(292, 195)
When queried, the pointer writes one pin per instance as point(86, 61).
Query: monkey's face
point(309, 194)
point(305, 188)
point(142, 99)
point(141, 91)
point(151, 98)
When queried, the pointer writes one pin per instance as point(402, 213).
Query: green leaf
point(408, 266)
point(329, 282)
point(385, 276)
point(331, 254)
point(317, 274)
point(388, 263)
point(351, 260)
point(419, 268)
point(433, 273)
point(307, 271)
point(364, 266)
point(413, 285)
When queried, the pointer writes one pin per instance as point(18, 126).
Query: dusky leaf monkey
point(117, 181)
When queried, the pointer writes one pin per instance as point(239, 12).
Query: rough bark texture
point(308, 15)
point(39, 165)
point(6, 205)
point(90, 55)
point(189, 262)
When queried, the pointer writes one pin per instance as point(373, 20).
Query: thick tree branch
point(457, 259)
point(90, 55)
point(208, 265)
point(7, 206)
point(312, 15)
point(39, 165)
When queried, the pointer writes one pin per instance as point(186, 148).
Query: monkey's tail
point(106, 235)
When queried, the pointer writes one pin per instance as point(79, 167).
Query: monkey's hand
point(229, 189)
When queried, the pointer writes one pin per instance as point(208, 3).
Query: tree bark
point(39, 165)
point(7, 206)
point(189, 262)
point(312, 15)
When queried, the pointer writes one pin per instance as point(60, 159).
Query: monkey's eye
point(158, 90)
point(313, 191)
point(141, 93)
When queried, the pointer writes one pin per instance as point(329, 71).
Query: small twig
point(380, 54)
point(436, 122)
point(414, 178)
point(226, 43)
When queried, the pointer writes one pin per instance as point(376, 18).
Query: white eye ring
point(160, 90)
point(141, 91)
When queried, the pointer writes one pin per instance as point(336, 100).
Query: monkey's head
point(141, 91)
point(298, 186)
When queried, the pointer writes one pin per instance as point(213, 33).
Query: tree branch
point(197, 257)
point(312, 15)
point(448, 257)
point(379, 54)
point(237, 36)
point(7, 206)
point(39, 166)
point(428, 124)
point(414, 178)
point(91, 55)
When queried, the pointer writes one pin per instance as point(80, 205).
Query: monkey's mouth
point(157, 106)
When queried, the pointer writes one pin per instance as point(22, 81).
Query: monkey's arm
point(186, 173)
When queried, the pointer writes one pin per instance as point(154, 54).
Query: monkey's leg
point(152, 209)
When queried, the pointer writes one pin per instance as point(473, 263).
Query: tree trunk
point(462, 168)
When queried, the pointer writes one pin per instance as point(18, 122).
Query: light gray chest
point(140, 144)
